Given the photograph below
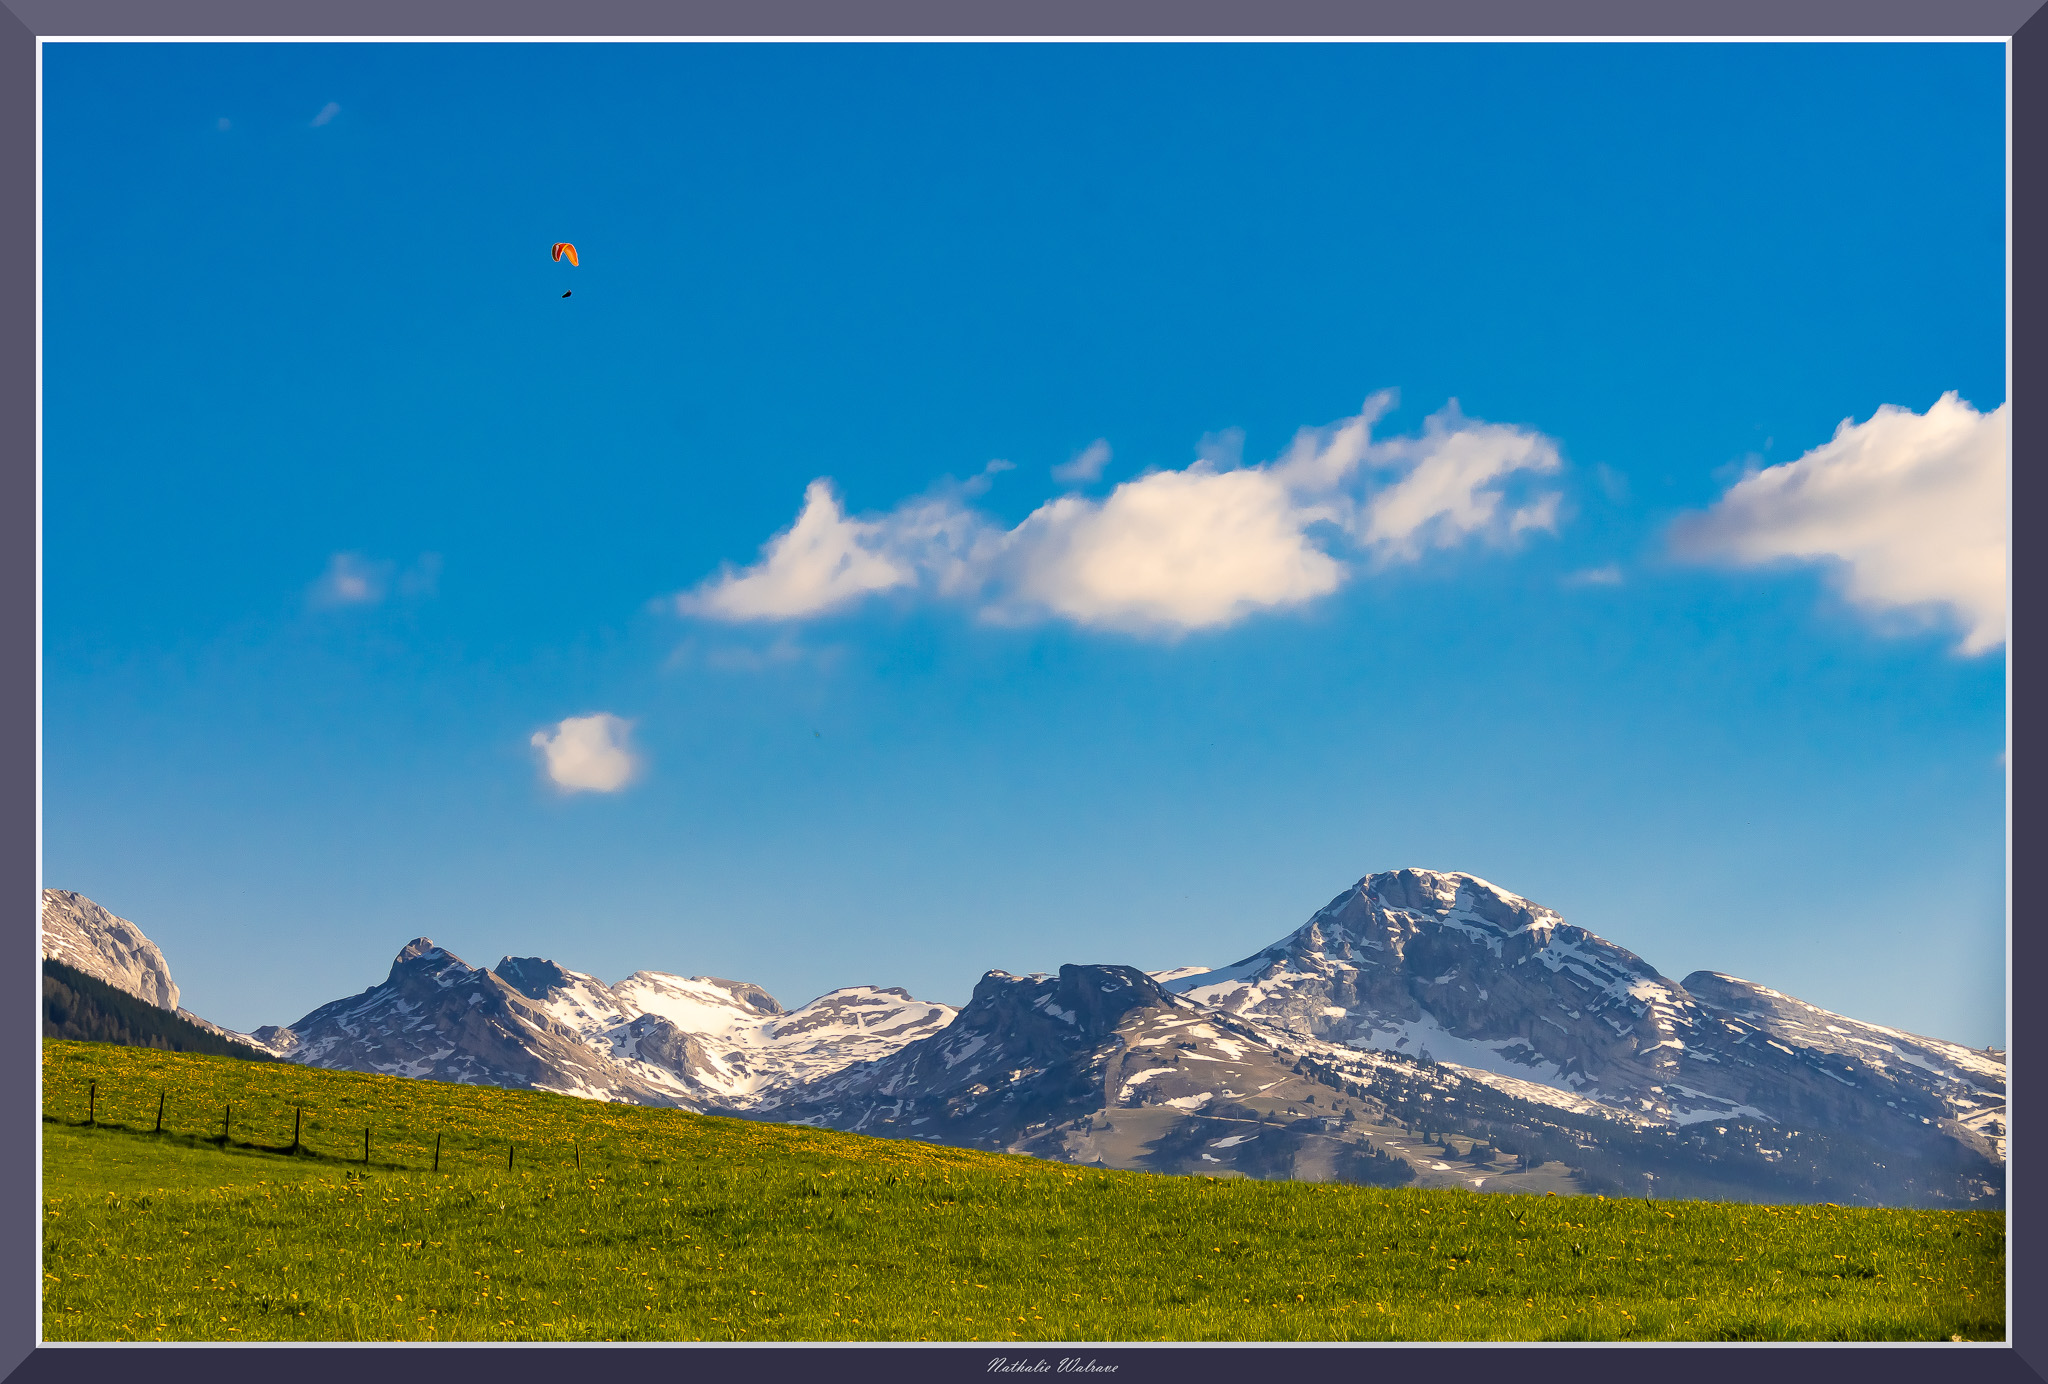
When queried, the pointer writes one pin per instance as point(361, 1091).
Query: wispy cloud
point(783, 652)
point(354, 580)
point(1610, 575)
point(327, 113)
point(752, 649)
point(978, 485)
point(587, 754)
point(1908, 509)
point(1169, 550)
point(1086, 466)
point(1452, 485)
point(224, 124)
point(351, 580)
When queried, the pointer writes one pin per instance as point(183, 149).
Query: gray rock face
point(275, 1039)
point(531, 976)
point(1925, 1079)
point(1026, 1054)
point(87, 938)
point(656, 1040)
point(1103, 1066)
point(748, 995)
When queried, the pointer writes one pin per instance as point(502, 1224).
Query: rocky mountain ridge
point(1533, 1054)
point(657, 1039)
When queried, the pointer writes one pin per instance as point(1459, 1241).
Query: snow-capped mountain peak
point(699, 1042)
point(1449, 967)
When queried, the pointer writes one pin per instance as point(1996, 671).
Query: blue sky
point(347, 511)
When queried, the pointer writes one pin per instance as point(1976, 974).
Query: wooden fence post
point(366, 1146)
point(225, 1121)
point(437, 1153)
point(298, 1115)
point(579, 1155)
point(508, 1155)
point(159, 1112)
point(92, 1100)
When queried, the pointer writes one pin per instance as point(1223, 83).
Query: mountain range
point(1422, 1027)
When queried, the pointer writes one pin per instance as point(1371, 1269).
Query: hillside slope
point(79, 1006)
point(619, 1222)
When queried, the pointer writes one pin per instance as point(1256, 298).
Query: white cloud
point(1909, 509)
point(822, 560)
point(1086, 466)
point(327, 113)
point(587, 754)
point(1169, 550)
point(351, 579)
point(1176, 548)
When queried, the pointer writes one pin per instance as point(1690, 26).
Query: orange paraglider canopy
point(564, 248)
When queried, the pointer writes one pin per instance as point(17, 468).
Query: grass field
point(686, 1227)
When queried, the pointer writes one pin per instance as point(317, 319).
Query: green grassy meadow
point(687, 1227)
